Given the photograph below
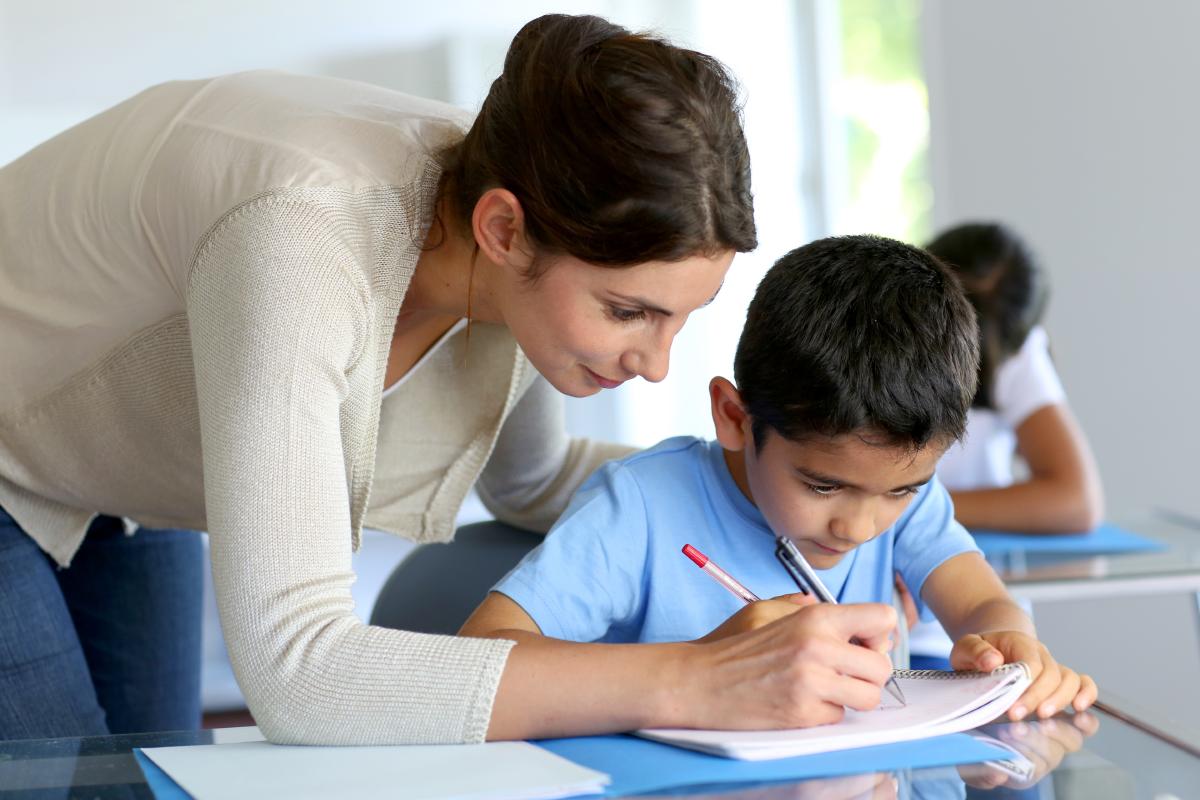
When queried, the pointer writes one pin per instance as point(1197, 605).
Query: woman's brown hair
point(620, 147)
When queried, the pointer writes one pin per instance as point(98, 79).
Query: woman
point(204, 292)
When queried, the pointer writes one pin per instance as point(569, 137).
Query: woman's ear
point(729, 415)
point(498, 223)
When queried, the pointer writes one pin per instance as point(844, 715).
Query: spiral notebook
point(938, 703)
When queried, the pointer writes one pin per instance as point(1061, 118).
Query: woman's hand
point(755, 615)
point(1054, 687)
point(796, 671)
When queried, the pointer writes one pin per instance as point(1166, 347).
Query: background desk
point(1120, 762)
point(1130, 620)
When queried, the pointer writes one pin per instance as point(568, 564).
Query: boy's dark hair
point(859, 334)
point(1004, 283)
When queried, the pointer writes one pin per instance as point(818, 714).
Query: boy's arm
point(496, 615)
point(968, 597)
point(990, 629)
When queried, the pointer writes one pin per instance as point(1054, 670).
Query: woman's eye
point(822, 490)
point(626, 314)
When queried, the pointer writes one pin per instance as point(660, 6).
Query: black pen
point(803, 574)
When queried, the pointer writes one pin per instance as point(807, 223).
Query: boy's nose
point(857, 528)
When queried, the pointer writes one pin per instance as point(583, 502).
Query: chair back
point(437, 586)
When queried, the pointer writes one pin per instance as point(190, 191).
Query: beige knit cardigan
point(197, 294)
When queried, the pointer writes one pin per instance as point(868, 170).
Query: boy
point(854, 374)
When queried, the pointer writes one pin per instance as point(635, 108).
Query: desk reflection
point(1036, 748)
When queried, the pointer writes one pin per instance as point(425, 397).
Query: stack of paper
point(938, 703)
point(493, 771)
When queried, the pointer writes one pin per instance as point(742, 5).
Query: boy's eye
point(626, 314)
point(822, 489)
point(907, 491)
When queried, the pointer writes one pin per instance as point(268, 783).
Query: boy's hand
point(756, 615)
point(1054, 687)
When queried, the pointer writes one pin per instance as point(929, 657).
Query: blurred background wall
point(1075, 121)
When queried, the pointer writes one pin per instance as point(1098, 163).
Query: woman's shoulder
point(250, 132)
point(322, 100)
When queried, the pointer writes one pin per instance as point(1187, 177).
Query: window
point(881, 108)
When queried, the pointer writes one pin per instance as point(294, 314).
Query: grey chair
point(437, 586)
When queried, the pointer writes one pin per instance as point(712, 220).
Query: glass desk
point(1098, 758)
point(1047, 576)
point(1131, 620)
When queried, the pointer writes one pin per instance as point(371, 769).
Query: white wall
point(1077, 122)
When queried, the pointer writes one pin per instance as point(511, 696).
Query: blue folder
point(1104, 539)
point(639, 766)
point(160, 783)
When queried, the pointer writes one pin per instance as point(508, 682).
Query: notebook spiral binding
point(943, 675)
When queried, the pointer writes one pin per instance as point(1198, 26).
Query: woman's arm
point(278, 312)
point(1063, 493)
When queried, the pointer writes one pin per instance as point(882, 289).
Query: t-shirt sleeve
point(927, 535)
point(587, 577)
point(1028, 381)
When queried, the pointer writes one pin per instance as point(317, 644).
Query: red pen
point(721, 576)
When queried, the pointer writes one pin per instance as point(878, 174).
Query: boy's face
point(830, 495)
point(827, 494)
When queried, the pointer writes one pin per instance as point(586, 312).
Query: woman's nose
point(651, 362)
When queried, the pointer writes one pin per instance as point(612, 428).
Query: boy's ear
point(729, 415)
point(498, 223)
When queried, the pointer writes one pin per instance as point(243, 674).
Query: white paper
point(492, 771)
point(936, 705)
point(249, 733)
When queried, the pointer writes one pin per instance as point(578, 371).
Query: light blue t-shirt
point(612, 569)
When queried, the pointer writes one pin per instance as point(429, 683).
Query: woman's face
point(587, 328)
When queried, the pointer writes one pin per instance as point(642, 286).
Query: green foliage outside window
point(880, 99)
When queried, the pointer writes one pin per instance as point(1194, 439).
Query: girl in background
point(1020, 408)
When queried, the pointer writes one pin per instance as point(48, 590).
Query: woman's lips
point(603, 382)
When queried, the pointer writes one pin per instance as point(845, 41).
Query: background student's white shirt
point(1024, 383)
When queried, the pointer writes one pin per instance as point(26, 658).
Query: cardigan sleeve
point(279, 311)
point(536, 466)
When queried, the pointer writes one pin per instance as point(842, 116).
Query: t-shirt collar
point(738, 502)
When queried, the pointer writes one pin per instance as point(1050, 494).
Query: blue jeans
point(109, 645)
